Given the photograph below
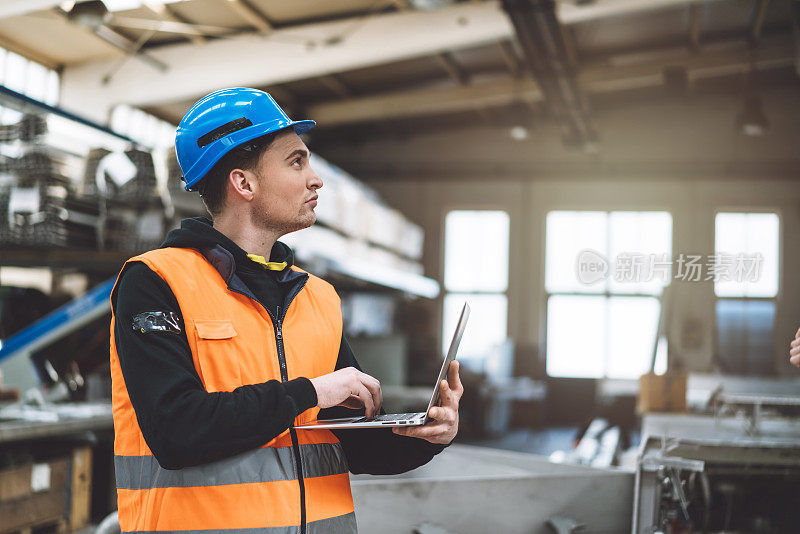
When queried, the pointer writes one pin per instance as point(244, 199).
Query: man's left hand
point(794, 349)
point(444, 426)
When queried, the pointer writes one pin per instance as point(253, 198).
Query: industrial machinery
point(736, 469)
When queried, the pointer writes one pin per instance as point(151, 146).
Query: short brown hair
point(245, 156)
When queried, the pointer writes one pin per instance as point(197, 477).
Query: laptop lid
point(451, 355)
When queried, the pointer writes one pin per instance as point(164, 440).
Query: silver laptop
point(402, 419)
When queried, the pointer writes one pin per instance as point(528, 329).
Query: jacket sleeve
point(379, 451)
point(182, 423)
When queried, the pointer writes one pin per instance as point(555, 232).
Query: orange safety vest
point(229, 336)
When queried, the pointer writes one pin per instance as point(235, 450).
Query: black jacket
point(183, 424)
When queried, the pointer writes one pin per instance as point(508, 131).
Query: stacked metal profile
point(185, 204)
point(133, 210)
point(38, 206)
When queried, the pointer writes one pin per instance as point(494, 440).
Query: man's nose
point(315, 182)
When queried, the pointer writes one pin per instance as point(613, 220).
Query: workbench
point(19, 424)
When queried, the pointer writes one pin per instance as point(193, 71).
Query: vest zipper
point(278, 324)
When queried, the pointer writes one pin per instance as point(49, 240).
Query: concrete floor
point(535, 441)
point(543, 441)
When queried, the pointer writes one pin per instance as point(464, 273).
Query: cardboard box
point(662, 393)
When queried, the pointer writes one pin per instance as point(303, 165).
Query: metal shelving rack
point(355, 274)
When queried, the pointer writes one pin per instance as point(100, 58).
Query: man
point(220, 346)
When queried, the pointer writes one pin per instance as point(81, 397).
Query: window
point(604, 274)
point(142, 127)
point(476, 270)
point(29, 78)
point(747, 254)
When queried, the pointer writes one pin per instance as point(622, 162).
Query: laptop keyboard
point(389, 417)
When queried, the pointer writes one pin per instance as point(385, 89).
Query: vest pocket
point(218, 353)
point(214, 329)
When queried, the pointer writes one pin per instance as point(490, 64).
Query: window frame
point(145, 128)
point(442, 249)
point(778, 294)
point(606, 294)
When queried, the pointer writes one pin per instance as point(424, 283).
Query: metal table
point(17, 424)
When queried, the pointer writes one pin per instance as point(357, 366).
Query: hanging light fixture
point(751, 120)
point(91, 14)
point(518, 132)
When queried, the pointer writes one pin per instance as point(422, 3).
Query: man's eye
point(298, 162)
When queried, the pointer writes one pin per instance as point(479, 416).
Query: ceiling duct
point(539, 33)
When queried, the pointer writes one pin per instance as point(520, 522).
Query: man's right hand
point(350, 388)
point(794, 349)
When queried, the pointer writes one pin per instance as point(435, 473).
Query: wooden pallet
point(50, 526)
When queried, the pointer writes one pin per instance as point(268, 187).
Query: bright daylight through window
point(604, 275)
point(476, 271)
point(747, 248)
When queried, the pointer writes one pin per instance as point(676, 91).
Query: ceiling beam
point(757, 23)
point(165, 13)
point(13, 8)
point(250, 14)
point(512, 61)
point(336, 86)
point(194, 71)
point(572, 13)
point(118, 41)
point(541, 37)
point(425, 101)
point(695, 26)
point(571, 49)
point(401, 5)
point(795, 14)
point(568, 13)
point(453, 68)
point(300, 52)
point(594, 79)
point(284, 97)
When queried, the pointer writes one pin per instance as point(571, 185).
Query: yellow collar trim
point(269, 265)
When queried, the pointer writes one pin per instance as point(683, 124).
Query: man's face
point(286, 186)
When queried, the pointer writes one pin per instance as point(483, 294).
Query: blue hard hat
point(222, 120)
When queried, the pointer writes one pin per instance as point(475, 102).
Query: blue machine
point(53, 326)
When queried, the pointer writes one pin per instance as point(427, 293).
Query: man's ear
point(243, 183)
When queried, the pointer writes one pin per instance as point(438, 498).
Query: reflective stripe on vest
point(344, 524)
point(266, 464)
point(232, 344)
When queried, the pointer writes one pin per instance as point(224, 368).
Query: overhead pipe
point(539, 33)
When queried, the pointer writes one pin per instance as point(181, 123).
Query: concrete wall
point(693, 205)
point(681, 154)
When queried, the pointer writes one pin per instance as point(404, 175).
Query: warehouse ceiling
point(358, 62)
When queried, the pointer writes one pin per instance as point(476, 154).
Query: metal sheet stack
point(47, 216)
point(133, 210)
point(138, 189)
point(38, 206)
point(186, 204)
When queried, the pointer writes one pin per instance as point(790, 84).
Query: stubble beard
point(302, 221)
